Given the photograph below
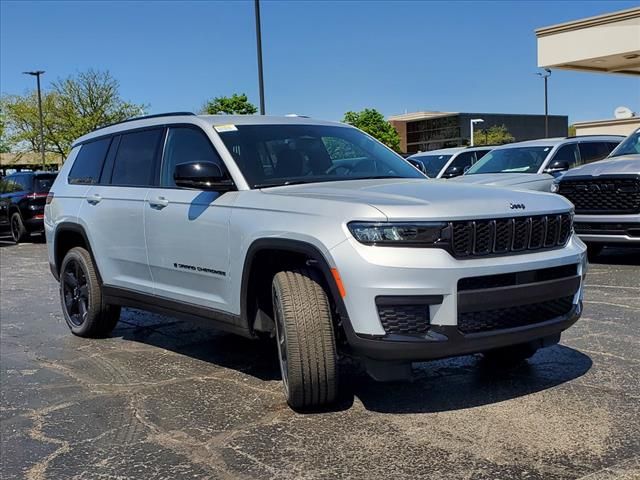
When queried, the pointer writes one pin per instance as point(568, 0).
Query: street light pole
point(472, 123)
point(259, 48)
point(546, 76)
point(37, 74)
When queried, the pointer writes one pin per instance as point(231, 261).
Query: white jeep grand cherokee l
point(311, 232)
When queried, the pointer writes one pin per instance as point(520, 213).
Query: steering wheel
point(333, 169)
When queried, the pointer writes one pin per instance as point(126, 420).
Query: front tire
point(306, 340)
point(18, 230)
point(81, 297)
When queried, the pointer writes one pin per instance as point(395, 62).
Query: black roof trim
point(596, 135)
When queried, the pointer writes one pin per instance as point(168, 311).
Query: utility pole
point(259, 48)
point(472, 123)
point(546, 76)
point(37, 74)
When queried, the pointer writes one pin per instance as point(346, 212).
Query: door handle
point(158, 202)
point(94, 199)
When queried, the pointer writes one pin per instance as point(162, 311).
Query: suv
point(541, 160)
point(447, 162)
point(311, 232)
point(606, 196)
point(22, 199)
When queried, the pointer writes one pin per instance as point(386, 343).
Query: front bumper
point(618, 229)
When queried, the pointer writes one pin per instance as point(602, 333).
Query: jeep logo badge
point(517, 206)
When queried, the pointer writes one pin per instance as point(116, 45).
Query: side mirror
point(417, 164)
point(452, 171)
point(202, 176)
point(557, 166)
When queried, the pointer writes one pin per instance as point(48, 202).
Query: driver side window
point(568, 153)
point(184, 145)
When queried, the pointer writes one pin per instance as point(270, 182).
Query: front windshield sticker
point(225, 128)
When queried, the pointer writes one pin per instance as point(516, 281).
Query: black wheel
point(512, 355)
point(305, 338)
point(18, 230)
point(81, 297)
point(593, 250)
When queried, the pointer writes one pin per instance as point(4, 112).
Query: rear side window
point(134, 162)
point(43, 183)
point(88, 163)
point(593, 151)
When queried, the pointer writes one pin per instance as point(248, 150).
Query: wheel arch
point(290, 249)
point(67, 236)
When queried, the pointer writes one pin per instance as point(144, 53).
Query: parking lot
point(164, 398)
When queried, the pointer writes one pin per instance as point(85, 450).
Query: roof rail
point(596, 135)
point(145, 117)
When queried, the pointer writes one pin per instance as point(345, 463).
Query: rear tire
point(81, 297)
point(18, 230)
point(512, 355)
point(306, 340)
point(593, 250)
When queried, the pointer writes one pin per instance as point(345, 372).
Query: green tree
point(572, 131)
point(373, 122)
point(72, 107)
point(494, 135)
point(4, 142)
point(237, 104)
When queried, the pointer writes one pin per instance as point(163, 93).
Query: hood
point(504, 179)
point(411, 199)
point(622, 165)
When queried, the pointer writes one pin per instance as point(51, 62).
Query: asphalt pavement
point(165, 398)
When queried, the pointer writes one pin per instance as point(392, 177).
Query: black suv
point(22, 199)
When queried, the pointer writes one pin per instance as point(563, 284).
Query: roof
point(454, 150)
point(552, 142)
point(28, 159)
point(589, 22)
point(210, 119)
point(409, 117)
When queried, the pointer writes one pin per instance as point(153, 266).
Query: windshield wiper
point(284, 184)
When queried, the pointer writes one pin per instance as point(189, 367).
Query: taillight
point(49, 198)
point(33, 196)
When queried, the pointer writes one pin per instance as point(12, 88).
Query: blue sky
point(321, 58)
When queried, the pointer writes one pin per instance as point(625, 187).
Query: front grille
point(603, 195)
point(517, 278)
point(404, 319)
point(507, 235)
point(512, 317)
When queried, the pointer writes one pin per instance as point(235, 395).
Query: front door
point(187, 230)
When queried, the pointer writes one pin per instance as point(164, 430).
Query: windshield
point(511, 160)
point(273, 155)
point(629, 146)
point(43, 183)
point(433, 163)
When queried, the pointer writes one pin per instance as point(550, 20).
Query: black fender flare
point(63, 227)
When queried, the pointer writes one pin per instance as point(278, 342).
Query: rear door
point(114, 209)
point(187, 230)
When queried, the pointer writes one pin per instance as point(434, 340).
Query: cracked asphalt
point(168, 399)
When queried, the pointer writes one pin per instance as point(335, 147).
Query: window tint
point(22, 182)
point(186, 145)
point(463, 160)
point(568, 153)
point(8, 185)
point(134, 160)
point(43, 183)
point(511, 160)
point(433, 163)
point(88, 163)
point(592, 151)
point(481, 153)
point(629, 146)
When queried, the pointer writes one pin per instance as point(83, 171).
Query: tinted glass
point(511, 160)
point(569, 154)
point(42, 183)
point(88, 163)
point(481, 153)
point(629, 146)
point(8, 185)
point(185, 145)
point(134, 161)
point(433, 163)
point(593, 151)
point(465, 159)
point(272, 155)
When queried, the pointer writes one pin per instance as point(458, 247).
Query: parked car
point(22, 199)
point(534, 164)
point(310, 232)
point(447, 162)
point(606, 196)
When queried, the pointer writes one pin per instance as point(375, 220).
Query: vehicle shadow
point(443, 385)
point(618, 256)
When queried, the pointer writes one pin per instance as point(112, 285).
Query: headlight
point(418, 234)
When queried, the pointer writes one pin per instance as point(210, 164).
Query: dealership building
point(423, 131)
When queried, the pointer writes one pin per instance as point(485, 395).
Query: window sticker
point(225, 128)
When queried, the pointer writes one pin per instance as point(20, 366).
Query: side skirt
point(225, 321)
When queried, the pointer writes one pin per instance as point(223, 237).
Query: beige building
point(605, 44)
point(27, 161)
